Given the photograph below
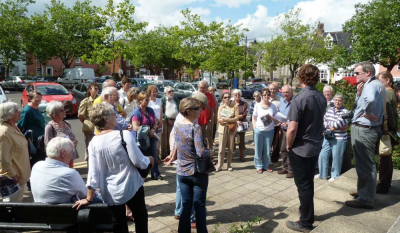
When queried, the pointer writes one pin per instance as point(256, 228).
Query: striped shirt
point(333, 118)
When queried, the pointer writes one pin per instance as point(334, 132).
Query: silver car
point(3, 97)
point(16, 82)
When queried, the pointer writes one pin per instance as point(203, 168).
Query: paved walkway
point(241, 196)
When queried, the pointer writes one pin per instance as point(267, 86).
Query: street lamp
point(245, 53)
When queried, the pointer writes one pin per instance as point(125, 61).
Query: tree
point(295, 45)
point(188, 42)
point(119, 28)
point(224, 53)
point(70, 29)
point(13, 21)
point(375, 33)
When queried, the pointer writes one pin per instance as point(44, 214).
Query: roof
point(340, 38)
point(45, 83)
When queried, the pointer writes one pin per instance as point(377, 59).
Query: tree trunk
point(390, 67)
point(7, 74)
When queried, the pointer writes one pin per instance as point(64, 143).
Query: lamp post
point(245, 54)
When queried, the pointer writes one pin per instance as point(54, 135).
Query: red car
point(51, 92)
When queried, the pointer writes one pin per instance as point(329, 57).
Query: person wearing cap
point(228, 114)
point(203, 103)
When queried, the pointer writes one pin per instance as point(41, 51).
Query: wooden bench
point(55, 217)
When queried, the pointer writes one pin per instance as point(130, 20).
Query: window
point(398, 66)
point(39, 70)
point(128, 63)
point(128, 73)
point(78, 60)
point(323, 75)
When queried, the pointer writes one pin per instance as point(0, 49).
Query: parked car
point(160, 86)
point(16, 82)
point(3, 97)
point(74, 76)
point(185, 87)
point(223, 83)
point(166, 82)
point(216, 94)
point(50, 92)
point(254, 80)
point(250, 89)
point(79, 92)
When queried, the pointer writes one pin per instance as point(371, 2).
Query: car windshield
point(52, 90)
point(195, 86)
point(25, 78)
point(142, 82)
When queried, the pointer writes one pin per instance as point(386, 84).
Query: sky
point(258, 16)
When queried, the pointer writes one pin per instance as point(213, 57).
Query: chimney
point(320, 29)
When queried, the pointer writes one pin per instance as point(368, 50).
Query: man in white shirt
point(126, 85)
point(52, 181)
point(170, 108)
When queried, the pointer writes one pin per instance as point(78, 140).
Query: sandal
point(259, 171)
point(269, 170)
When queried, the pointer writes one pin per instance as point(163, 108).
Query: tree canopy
point(375, 32)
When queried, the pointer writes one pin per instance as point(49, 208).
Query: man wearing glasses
point(170, 107)
point(365, 131)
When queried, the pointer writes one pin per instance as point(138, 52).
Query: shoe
point(193, 225)
point(356, 204)
point(242, 159)
point(317, 177)
point(381, 191)
point(230, 169)
point(354, 194)
point(157, 178)
point(290, 175)
point(252, 144)
point(283, 171)
point(260, 171)
point(276, 164)
point(297, 227)
point(331, 179)
point(176, 217)
point(218, 169)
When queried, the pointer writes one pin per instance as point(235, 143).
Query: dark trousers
point(284, 154)
point(385, 173)
point(276, 144)
point(194, 192)
point(304, 171)
point(139, 213)
point(214, 130)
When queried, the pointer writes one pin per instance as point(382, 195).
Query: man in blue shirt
point(365, 132)
point(284, 107)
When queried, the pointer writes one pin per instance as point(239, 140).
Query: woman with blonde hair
point(228, 115)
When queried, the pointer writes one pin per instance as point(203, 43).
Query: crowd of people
point(127, 132)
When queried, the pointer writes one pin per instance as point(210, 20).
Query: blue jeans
point(178, 202)
point(337, 148)
point(153, 152)
point(194, 191)
point(262, 142)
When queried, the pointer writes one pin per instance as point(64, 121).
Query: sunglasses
point(170, 91)
point(358, 73)
point(226, 97)
point(266, 95)
point(256, 96)
point(195, 108)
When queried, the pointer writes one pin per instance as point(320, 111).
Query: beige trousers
point(226, 140)
point(207, 131)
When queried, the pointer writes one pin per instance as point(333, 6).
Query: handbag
point(143, 172)
point(232, 127)
point(201, 164)
point(328, 134)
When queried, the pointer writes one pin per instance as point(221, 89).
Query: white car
point(3, 97)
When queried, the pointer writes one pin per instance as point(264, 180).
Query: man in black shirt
point(304, 142)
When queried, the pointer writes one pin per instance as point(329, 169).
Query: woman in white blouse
point(155, 104)
point(114, 171)
point(263, 125)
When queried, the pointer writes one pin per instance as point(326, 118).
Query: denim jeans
point(337, 148)
point(363, 141)
point(178, 202)
point(194, 191)
point(153, 152)
point(262, 142)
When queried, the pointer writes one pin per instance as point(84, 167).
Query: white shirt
point(156, 106)
point(111, 169)
point(263, 123)
point(129, 109)
point(53, 182)
point(171, 110)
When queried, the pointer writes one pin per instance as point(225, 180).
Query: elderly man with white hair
point(328, 93)
point(52, 181)
point(109, 83)
point(110, 96)
point(207, 117)
point(170, 108)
